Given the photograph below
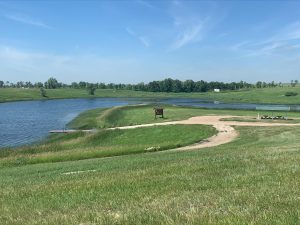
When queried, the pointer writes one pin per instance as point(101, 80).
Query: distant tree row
point(294, 83)
point(51, 83)
point(166, 85)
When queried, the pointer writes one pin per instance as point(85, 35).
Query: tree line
point(166, 85)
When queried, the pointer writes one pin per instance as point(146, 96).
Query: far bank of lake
point(274, 95)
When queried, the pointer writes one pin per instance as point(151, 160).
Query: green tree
point(51, 83)
point(91, 89)
point(43, 92)
point(177, 86)
point(154, 86)
point(101, 85)
point(39, 85)
point(166, 85)
point(1, 84)
point(74, 85)
point(188, 85)
point(82, 84)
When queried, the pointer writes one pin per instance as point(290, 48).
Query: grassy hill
point(78, 146)
point(252, 180)
point(264, 95)
point(141, 114)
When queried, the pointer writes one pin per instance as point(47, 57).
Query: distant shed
point(217, 90)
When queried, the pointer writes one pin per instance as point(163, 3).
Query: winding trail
point(226, 132)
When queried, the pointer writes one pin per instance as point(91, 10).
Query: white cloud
point(142, 39)
point(129, 31)
point(189, 34)
point(145, 3)
point(145, 41)
point(285, 42)
point(275, 48)
point(26, 20)
point(290, 32)
point(239, 45)
point(191, 23)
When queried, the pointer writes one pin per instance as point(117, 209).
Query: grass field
point(252, 180)
point(264, 95)
point(141, 114)
point(106, 143)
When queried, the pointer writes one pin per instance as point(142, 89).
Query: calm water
point(30, 121)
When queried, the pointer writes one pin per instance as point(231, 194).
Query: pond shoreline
point(27, 122)
point(254, 96)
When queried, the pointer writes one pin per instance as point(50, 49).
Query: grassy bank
point(106, 143)
point(253, 180)
point(133, 115)
point(263, 95)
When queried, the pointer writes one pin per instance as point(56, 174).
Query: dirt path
point(226, 133)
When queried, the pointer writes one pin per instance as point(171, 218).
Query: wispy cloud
point(142, 39)
point(276, 48)
point(145, 3)
point(239, 45)
point(221, 35)
point(289, 32)
point(189, 34)
point(26, 20)
point(130, 31)
point(283, 42)
point(191, 24)
point(145, 41)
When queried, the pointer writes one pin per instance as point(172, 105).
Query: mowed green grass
point(263, 95)
point(142, 114)
point(106, 143)
point(253, 180)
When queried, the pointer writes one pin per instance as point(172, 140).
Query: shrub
point(91, 90)
point(290, 93)
point(43, 92)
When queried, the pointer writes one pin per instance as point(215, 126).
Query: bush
point(91, 90)
point(43, 92)
point(290, 93)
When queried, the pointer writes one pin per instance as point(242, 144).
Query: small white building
point(216, 90)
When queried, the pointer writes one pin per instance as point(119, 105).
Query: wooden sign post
point(159, 111)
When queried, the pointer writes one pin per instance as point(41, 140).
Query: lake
point(30, 121)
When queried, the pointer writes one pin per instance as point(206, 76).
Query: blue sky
point(139, 40)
